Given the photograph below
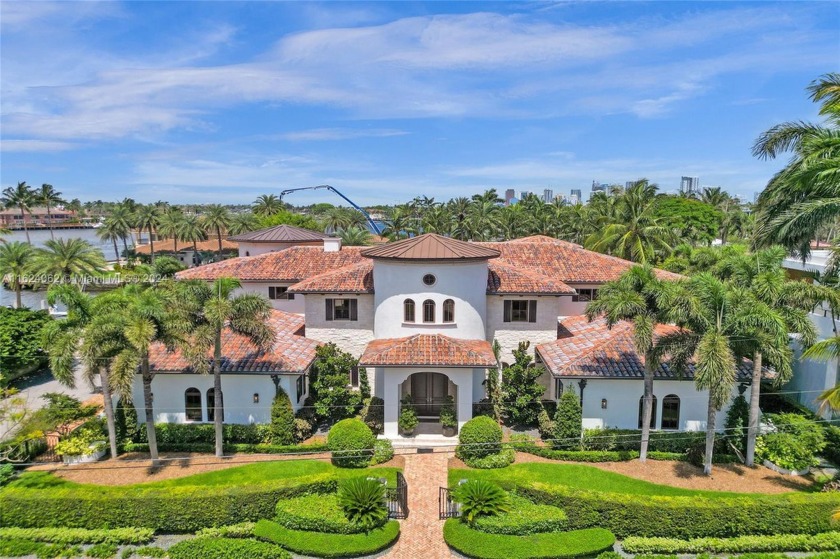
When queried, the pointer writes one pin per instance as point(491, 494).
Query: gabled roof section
point(291, 352)
point(280, 234)
point(168, 245)
point(428, 350)
point(504, 279)
point(591, 349)
point(290, 265)
point(355, 278)
point(431, 247)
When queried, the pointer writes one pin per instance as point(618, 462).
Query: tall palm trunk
point(125, 245)
point(647, 412)
point(219, 233)
point(710, 437)
point(151, 433)
point(25, 229)
point(16, 283)
point(217, 394)
point(104, 376)
point(755, 391)
point(49, 221)
point(151, 245)
point(116, 250)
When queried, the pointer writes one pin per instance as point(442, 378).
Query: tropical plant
point(521, 390)
point(641, 297)
point(121, 222)
point(169, 225)
point(242, 223)
point(15, 262)
point(202, 313)
point(217, 220)
point(448, 417)
point(111, 230)
point(191, 230)
point(793, 442)
point(408, 420)
point(21, 197)
point(363, 502)
point(267, 204)
point(65, 259)
point(148, 217)
point(354, 236)
point(805, 194)
point(480, 498)
point(48, 197)
point(334, 398)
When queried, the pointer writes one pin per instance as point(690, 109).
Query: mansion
point(422, 315)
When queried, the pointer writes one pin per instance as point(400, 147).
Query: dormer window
point(428, 311)
point(449, 310)
point(408, 310)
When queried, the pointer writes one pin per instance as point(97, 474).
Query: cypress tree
point(568, 422)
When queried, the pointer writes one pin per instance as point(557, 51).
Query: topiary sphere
point(480, 436)
point(351, 443)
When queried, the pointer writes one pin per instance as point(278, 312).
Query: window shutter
point(354, 309)
point(532, 311)
point(506, 317)
point(329, 309)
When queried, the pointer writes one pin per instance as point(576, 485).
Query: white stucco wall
point(296, 305)
point(351, 336)
point(509, 334)
point(623, 403)
point(238, 391)
point(811, 378)
point(568, 307)
point(464, 283)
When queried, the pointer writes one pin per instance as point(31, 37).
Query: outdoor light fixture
point(256, 398)
point(603, 403)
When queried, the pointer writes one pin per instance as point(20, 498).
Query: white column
point(392, 379)
point(463, 379)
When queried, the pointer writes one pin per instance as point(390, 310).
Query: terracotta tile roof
point(564, 261)
point(428, 350)
point(503, 278)
point(280, 233)
point(291, 353)
point(590, 349)
point(355, 278)
point(431, 247)
point(290, 265)
point(168, 245)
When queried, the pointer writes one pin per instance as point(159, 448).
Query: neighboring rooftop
point(431, 247)
point(291, 352)
point(592, 349)
point(168, 245)
point(428, 350)
point(280, 234)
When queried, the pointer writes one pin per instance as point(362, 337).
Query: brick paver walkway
point(421, 534)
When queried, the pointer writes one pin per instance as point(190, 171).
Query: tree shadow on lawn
point(686, 470)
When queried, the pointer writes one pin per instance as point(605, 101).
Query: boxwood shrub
point(102, 551)
point(318, 544)
point(241, 530)
point(608, 455)
point(228, 448)
point(479, 437)
point(555, 545)
point(317, 513)
point(688, 517)
point(226, 548)
point(501, 459)
point(254, 433)
point(351, 443)
point(79, 535)
point(827, 541)
point(524, 517)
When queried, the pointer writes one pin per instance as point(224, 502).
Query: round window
point(429, 279)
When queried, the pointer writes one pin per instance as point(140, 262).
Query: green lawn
point(580, 477)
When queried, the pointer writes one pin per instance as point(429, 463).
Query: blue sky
point(223, 101)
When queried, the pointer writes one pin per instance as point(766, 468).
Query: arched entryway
point(428, 392)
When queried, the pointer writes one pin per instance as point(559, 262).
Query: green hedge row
point(609, 455)
point(241, 530)
point(224, 548)
point(688, 517)
point(165, 509)
point(318, 544)
point(254, 433)
point(21, 548)
point(228, 448)
point(828, 541)
point(79, 535)
point(523, 518)
point(501, 459)
point(556, 545)
point(317, 513)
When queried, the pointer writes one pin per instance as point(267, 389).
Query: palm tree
point(191, 230)
point(50, 198)
point(66, 258)
point(123, 220)
point(354, 236)
point(148, 217)
point(641, 297)
point(110, 230)
point(203, 312)
point(715, 196)
point(482, 218)
point(15, 260)
point(217, 219)
point(169, 224)
point(267, 204)
point(805, 195)
point(399, 224)
point(242, 223)
point(21, 197)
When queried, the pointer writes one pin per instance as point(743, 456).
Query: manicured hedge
point(241, 530)
point(524, 517)
point(688, 517)
point(479, 437)
point(351, 443)
point(609, 455)
point(317, 513)
point(555, 545)
point(501, 459)
point(828, 541)
point(178, 433)
point(317, 544)
point(228, 448)
point(165, 509)
point(224, 548)
point(79, 535)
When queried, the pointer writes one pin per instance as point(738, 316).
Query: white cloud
point(325, 134)
point(34, 145)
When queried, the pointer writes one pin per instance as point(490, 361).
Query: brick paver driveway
point(421, 534)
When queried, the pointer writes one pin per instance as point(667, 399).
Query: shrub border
point(321, 544)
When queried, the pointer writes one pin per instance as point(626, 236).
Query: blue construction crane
point(332, 189)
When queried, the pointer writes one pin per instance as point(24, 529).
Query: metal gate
point(397, 498)
point(447, 508)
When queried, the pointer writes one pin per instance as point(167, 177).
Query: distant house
point(422, 313)
point(36, 218)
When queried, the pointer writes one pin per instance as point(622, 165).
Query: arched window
point(211, 405)
point(192, 404)
point(428, 310)
point(671, 412)
point(408, 310)
point(652, 415)
point(449, 310)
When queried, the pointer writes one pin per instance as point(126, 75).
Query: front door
point(429, 392)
